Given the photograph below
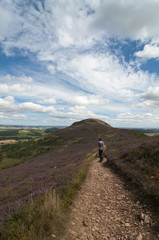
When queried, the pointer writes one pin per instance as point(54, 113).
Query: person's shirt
point(101, 145)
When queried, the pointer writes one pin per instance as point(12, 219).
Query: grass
point(47, 215)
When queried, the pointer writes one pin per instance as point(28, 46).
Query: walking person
point(100, 149)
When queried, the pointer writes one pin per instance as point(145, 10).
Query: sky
point(63, 61)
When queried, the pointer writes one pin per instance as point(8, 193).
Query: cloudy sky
point(62, 61)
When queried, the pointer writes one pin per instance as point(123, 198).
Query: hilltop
point(88, 129)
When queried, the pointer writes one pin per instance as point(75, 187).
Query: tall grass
point(46, 217)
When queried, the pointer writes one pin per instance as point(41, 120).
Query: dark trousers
point(101, 155)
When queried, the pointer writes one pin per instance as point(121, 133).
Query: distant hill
point(88, 129)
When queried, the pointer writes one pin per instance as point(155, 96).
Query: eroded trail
point(104, 209)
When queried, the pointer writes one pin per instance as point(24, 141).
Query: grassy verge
point(46, 217)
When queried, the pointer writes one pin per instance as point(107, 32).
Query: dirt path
point(104, 209)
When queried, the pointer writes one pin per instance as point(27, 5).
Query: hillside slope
point(30, 177)
point(64, 151)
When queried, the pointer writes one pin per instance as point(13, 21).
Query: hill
point(31, 170)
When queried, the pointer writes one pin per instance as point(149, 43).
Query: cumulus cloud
point(7, 105)
point(151, 94)
point(129, 19)
point(37, 108)
point(149, 51)
point(14, 88)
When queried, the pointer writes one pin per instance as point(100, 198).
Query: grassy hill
point(39, 178)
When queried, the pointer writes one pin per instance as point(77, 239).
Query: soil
point(105, 209)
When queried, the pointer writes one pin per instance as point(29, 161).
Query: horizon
point(61, 62)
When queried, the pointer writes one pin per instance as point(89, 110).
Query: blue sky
point(64, 61)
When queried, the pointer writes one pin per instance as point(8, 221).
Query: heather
point(15, 154)
point(39, 178)
point(138, 160)
point(45, 217)
point(46, 165)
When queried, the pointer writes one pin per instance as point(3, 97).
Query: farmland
point(14, 134)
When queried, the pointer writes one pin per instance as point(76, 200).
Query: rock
point(127, 224)
point(139, 237)
point(147, 219)
point(53, 235)
point(112, 238)
point(144, 218)
point(84, 224)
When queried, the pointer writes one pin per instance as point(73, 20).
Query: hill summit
point(91, 122)
point(88, 129)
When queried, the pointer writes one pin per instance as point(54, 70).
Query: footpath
point(105, 209)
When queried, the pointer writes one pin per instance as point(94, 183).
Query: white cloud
point(127, 19)
point(9, 20)
point(10, 78)
point(80, 23)
point(104, 75)
point(20, 117)
point(149, 51)
point(51, 69)
point(36, 108)
point(7, 104)
point(47, 101)
point(87, 100)
point(148, 105)
point(151, 94)
point(130, 118)
point(14, 88)
point(70, 38)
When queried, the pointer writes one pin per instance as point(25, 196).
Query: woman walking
point(100, 149)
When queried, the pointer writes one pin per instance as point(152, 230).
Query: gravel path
point(104, 209)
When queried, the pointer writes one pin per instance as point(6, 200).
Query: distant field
point(151, 134)
point(10, 135)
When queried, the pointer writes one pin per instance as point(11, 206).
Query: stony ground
point(106, 209)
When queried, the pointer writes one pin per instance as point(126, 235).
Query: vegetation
point(138, 161)
point(50, 130)
point(51, 208)
point(15, 154)
point(40, 177)
point(21, 133)
point(24, 133)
